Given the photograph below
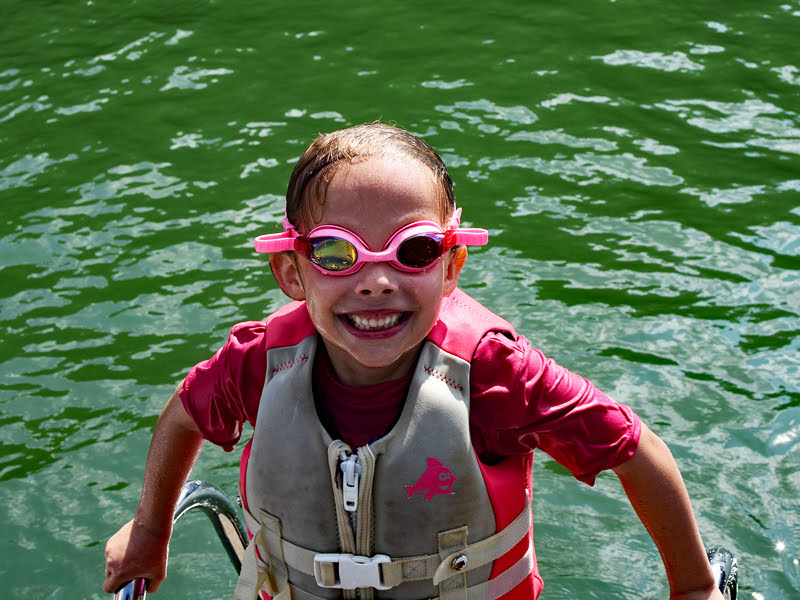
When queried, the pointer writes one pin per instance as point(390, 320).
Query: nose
point(376, 279)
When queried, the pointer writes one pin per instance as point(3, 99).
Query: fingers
point(117, 579)
point(133, 553)
point(110, 584)
point(135, 588)
point(113, 583)
point(114, 579)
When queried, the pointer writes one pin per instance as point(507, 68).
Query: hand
point(134, 551)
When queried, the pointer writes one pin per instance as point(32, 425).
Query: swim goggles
point(335, 250)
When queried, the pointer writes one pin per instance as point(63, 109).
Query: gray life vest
point(405, 517)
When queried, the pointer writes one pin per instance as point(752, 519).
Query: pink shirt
point(519, 400)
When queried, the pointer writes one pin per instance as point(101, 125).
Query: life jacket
point(412, 515)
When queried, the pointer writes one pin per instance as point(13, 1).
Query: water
point(636, 164)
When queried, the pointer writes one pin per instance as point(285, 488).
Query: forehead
point(395, 189)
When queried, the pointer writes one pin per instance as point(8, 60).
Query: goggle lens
point(333, 254)
point(420, 251)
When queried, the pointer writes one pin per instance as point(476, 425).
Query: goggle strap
point(276, 242)
point(455, 220)
point(471, 236)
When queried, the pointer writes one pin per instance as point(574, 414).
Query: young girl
point(394, 416)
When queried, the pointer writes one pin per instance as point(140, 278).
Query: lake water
point(635, 162)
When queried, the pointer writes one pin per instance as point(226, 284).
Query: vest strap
point(483, 552)
point(510, 578)
point(451, 542)
point(283, 553)
point(252, 575)
point(270, 574)
point(504, 582)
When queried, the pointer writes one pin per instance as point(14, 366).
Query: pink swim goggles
point(335, 250)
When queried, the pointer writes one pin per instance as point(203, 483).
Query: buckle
point(349, 571)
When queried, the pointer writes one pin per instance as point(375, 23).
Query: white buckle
point(354, 571)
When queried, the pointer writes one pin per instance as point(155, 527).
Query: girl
point(394, 416)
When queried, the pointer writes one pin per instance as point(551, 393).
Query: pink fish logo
point(437, 479)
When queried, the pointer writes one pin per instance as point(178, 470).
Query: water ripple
point(487, 109)
point(637, 182)
point(676, 61)
point(23, 172)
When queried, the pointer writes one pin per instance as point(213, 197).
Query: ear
point(457, 258)
point(284, 268)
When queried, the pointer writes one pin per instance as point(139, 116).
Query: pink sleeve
point(521, 400)
point(222, 393)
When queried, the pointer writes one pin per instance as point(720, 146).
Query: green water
point(635, 162)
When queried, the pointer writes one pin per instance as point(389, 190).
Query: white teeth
point(375, 323)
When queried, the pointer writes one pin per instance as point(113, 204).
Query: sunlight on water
point(636, 166)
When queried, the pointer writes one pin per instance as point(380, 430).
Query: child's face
point(374, 321)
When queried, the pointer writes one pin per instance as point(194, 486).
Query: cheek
point(431, 284)
point(315, 291)
point(315, 283)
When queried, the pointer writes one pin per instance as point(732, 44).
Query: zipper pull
point(351, 470)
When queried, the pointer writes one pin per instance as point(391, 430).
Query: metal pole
point(726, 571)
point(223, 515)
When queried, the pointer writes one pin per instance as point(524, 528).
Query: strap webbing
point(450, 542)
point(399, 570)
point(255, 574)
point(505, 581)
point(489, 549)
point(510, 578)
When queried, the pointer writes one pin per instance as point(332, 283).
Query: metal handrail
point(223, 515)
point(726, 571)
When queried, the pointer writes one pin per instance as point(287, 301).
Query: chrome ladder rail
point(726, 571)
point(223, 515)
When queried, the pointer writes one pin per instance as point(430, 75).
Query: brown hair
point(326, 154)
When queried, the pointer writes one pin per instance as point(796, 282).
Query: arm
point(658, 495)
point(139, 548)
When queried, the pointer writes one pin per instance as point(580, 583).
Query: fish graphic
point(437, 479)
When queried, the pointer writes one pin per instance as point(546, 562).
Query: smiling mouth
point(374, 323)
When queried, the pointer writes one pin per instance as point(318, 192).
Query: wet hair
point(305, 196)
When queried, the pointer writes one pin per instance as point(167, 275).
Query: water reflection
point(637, 179)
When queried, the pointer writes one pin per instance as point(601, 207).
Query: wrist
point(704, 591)
point(155, 524)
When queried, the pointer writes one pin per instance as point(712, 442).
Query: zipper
point(351, 473)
